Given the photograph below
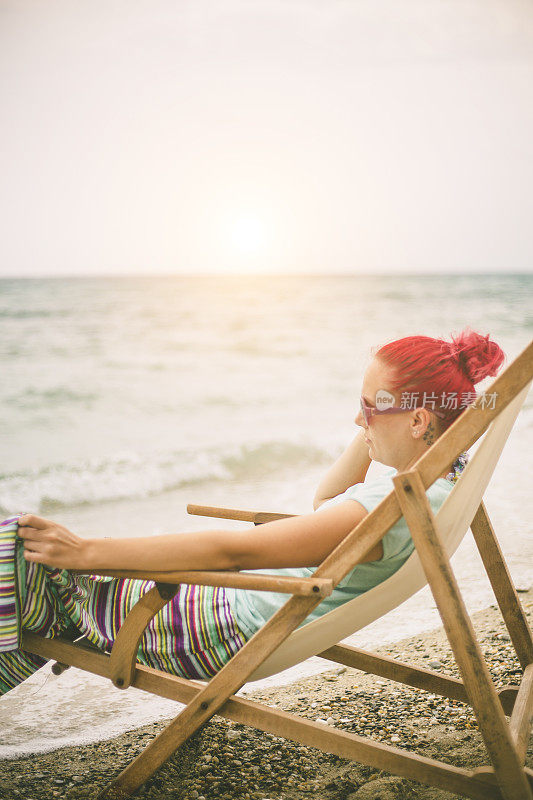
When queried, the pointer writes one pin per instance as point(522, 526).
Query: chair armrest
point(257, 517)
point(322, 587)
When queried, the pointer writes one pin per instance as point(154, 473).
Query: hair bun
point(478, 356)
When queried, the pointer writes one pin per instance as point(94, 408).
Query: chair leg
point(503, 587)
point(494, 729)
point(520, 723)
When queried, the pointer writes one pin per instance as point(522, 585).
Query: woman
point(412, 391)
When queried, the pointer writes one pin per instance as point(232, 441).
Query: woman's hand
point(46, 542)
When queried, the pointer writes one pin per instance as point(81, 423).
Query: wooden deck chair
point(280, 643)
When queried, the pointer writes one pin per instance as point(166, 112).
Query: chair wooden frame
point(505, 778)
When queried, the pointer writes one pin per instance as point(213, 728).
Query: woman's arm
point(302, 541)
point(350, 468)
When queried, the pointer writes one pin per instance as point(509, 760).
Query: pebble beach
point(226, 760)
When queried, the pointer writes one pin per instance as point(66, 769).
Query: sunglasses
point(370, 411)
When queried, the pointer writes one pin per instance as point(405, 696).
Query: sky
point(277, 136)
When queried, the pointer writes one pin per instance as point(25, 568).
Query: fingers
point(33, 548)
point(33, 555)
point(34, 529)
point(31, 521)
point(31, 534)
point(37, 546)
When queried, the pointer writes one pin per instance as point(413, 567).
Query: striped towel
point(10, 632)
point(194, 635)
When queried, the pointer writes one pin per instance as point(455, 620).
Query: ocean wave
point(39, 398)
point(132, 475)
point(16, 312)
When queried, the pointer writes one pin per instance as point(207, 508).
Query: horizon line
point(244, 274)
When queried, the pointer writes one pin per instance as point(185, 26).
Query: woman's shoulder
point(369, 493)
point(376, 487)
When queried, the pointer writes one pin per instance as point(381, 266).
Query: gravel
point(226, 760)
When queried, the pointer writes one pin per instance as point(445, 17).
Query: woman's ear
point(420, 422)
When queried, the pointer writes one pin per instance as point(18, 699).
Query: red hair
point(422, 364)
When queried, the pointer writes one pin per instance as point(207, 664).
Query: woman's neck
point(411, 461)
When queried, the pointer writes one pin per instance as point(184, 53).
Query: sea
point(125, 398)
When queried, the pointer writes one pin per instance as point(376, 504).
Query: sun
point(248, 233)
